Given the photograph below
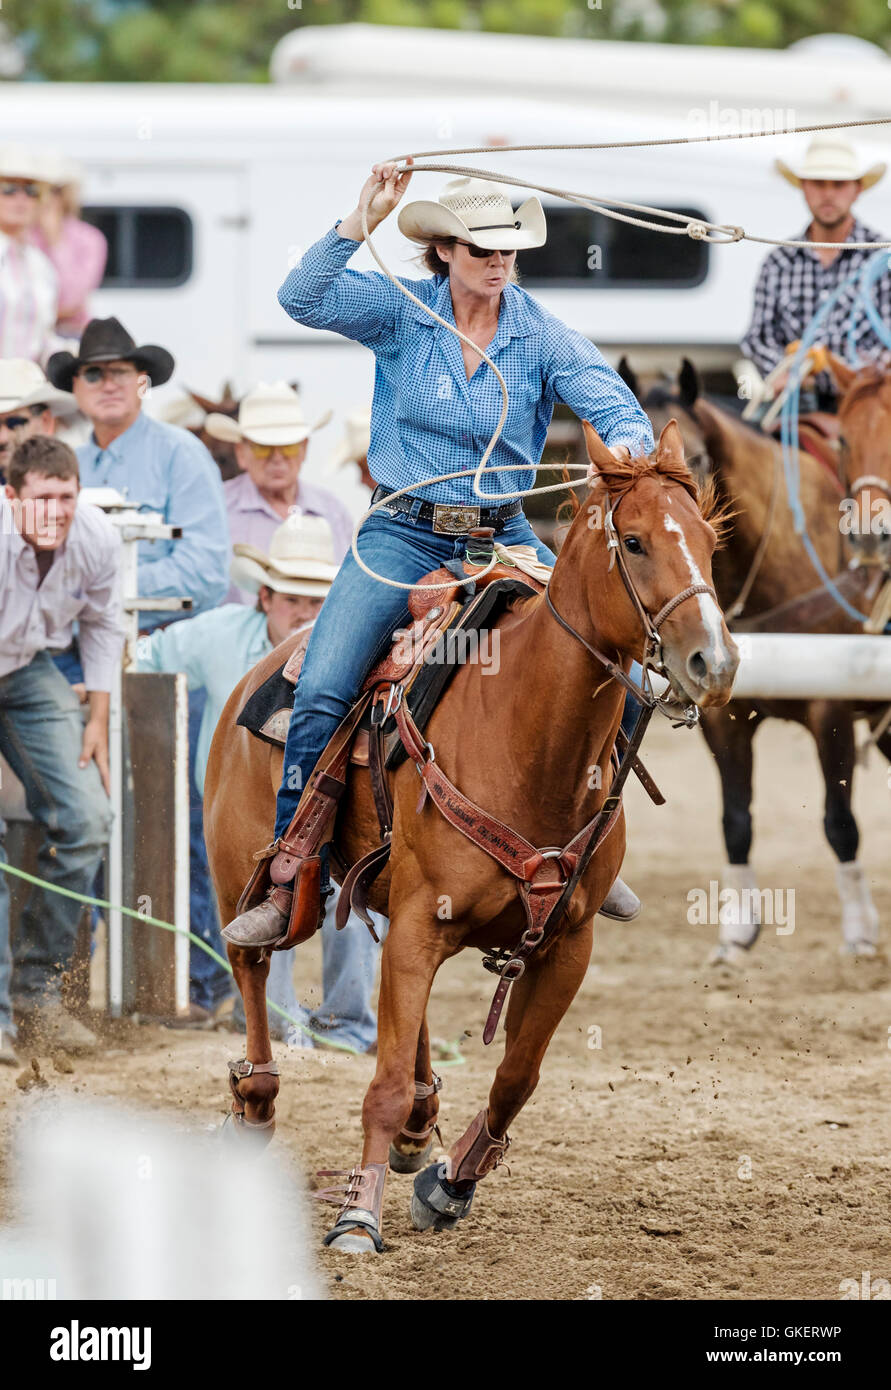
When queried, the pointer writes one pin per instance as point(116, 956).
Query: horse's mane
point(621, 475)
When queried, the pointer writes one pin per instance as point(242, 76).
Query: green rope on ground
point(196, 940)
point(179, 931)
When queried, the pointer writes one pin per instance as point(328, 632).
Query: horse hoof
point(353, 1239)
point(729, 955)
point(434, 1206)
point(409, 1163)
point(237, 1133)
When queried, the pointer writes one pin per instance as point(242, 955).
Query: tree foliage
point(231, 40)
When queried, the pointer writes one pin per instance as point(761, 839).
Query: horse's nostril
point(697, 666)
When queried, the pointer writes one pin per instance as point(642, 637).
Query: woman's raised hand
point(385, 186)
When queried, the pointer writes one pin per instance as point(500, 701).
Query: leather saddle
point(818, 435)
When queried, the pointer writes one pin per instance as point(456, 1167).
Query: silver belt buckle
point(454, 521)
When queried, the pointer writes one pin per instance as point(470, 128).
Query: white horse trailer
point(209, 193)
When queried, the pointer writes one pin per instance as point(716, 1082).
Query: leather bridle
point(653, 655)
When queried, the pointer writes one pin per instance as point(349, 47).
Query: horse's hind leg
point(411, 1148)
point(443, 1192)
point(832, 727)
point(254, 1091)
point(729, 733)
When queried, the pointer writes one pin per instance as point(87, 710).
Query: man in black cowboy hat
point(155, 465)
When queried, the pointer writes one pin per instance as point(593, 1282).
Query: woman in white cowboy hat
point(435, 406)
point(271, 438)
point(77, 250)
point(795, 281)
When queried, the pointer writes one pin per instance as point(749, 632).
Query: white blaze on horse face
point(711, 613)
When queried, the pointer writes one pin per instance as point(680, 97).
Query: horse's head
point(864, 414)
point(650, 515)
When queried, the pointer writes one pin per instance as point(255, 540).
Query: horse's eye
point(633, 545)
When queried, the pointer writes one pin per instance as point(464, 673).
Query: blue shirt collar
point(118, 447)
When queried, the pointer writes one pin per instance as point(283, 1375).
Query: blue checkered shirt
point(426, 417)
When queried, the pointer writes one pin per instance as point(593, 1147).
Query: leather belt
point(452, 519)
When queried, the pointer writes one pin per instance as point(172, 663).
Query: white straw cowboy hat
point(17, 162)
point(828, 157)
point(270, 414)
point(355, 443)
point(477, 211)
point(300, 560)
point(22, 383)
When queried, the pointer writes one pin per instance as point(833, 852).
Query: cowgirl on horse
point(431, 411)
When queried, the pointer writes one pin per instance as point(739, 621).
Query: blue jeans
point(349, 962)
point(40, 737)
point(209, 983)
point(354, 630)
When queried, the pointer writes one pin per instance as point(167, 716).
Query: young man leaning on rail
point(59, 563)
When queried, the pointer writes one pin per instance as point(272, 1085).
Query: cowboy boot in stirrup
point(293, 907)
point(620, 903)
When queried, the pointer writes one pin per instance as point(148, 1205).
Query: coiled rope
point(699, 229)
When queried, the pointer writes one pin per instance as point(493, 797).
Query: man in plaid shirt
point(795, 281)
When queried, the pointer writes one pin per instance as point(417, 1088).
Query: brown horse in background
point(765, 557)
point(520, 742)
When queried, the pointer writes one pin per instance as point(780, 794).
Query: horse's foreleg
point(253, 1080)
point(409, 961)
point(411, 1148)
point(539, 1000)
point(832, 727)
point(729, 733)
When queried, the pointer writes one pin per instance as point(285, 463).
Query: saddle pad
point(267, 712)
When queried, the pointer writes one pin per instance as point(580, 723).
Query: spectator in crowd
point(157, 466)
point(794, 281)
point(29, 289)
point(271, 439)
point(215, 650)
point(354, 446)
point(29, 405)
point(58, 562)
point(77, 250)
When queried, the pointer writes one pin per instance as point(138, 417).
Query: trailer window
point(586, 248)
point(148, 247)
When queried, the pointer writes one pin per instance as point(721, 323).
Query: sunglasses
point(31, 190)
point(15, 422)
point(479, 253)
point(265, 451)
point(96, 374)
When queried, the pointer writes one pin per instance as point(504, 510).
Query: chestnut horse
point(746, 467)
point(521, 743)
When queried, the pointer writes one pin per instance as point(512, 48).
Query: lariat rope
point(699, 229)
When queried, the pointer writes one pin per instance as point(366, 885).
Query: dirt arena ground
point(730, 1138)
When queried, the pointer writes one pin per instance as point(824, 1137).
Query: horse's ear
point(689, 384)
point(598, 453)
point(205, 402)
point(841, 373)
point(629, 376)
point(671, 444)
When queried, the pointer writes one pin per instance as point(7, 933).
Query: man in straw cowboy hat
point(795, 281)
point(29, 405)
point(215, 650)
point(29, 287)
point(434, 407)
point(271, 438)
